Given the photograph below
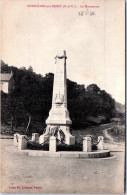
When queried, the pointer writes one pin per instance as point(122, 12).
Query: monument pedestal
point(69, 139)
point(58, 115)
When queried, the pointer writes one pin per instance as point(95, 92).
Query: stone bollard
point(52, 144)
point(35, 137)
point(100, 145)
point(87, 146)
point(16, 139)
point(70, 140)
point(43, 138)
point(22, 144)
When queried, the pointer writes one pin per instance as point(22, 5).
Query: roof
point(6, 76)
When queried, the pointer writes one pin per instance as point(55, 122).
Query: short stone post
point(22, 144)
point(43, 138)
point(35, 137)
point(87, 146)
point(70, 140)
point(52, 144)
point(16, 139)
point(100, 145)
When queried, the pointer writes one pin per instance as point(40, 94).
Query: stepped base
point(62, 132)
point(59, 116)
point(76, 154)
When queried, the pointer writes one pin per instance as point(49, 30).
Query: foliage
point(33, 96)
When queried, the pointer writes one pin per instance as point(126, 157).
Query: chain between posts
point(29, 141)
point(91, 139)
point(26, 139)
point(96, 142)
point(44, 141)
point(80, 141)
point(61, 142)
point(38, 143)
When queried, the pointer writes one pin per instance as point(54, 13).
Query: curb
point(6, 138)
point(76, 154)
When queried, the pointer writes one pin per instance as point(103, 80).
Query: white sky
point(94, 44)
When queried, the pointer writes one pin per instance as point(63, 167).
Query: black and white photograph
point(62, 97)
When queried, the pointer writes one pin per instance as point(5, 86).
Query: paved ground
point(57, 175)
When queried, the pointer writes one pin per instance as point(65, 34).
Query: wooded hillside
point(32, 95)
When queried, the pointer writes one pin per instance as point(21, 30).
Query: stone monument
point(58, 122)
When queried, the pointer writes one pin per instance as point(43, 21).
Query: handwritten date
point(87, 12)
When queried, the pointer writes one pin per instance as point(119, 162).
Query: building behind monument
point(7, 82)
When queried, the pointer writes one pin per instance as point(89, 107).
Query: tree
point(93, 88)
point(30, 69)
point(33, 95)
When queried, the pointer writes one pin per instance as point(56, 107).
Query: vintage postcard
point(62, 96)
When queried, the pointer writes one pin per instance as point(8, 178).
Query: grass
point(117, 132)
point(95, 131)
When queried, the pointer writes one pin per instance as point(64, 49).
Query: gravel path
point(107, 135)
point(60, 175)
